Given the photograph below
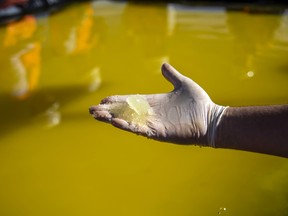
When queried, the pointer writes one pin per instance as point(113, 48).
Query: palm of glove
point(181, 116)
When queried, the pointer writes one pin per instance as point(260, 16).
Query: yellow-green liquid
point(55, 159)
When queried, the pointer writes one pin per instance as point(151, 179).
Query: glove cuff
point(216, 114)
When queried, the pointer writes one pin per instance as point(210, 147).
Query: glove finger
point(104, 116)
point(172, 75)
point(124, 125)
point(99, 107)
point(177, 79)
point(114, 99)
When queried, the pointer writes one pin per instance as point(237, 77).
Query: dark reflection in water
point(43, 103)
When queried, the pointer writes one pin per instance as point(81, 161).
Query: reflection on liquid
point(19, 31)
point(222, 211)
point(95, 79)
point(145, 38)
point(212, 25)
point(27, 65)
point(53, 154)
point(54, 116)
point(51, 117)
point(248, 44)
point(26, 61)
point(250, 74)
point(281, 34)
point(80, 36)
point(43, 107)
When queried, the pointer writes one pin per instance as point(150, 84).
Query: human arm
point(262, 129)
point(187, 115)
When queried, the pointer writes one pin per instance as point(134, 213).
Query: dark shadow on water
point(283, 69)
point(16, 114)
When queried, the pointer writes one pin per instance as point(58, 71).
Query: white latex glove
point(186, 115)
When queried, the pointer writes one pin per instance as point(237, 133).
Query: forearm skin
point(262, 129)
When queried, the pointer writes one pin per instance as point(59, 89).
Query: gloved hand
point(186, 115)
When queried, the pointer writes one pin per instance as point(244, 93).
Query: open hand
point(186, 115)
